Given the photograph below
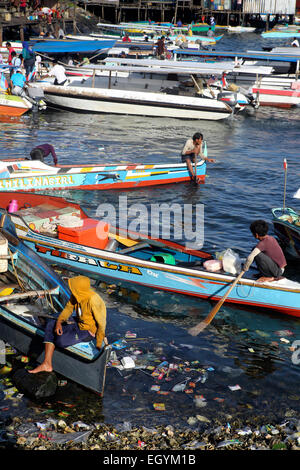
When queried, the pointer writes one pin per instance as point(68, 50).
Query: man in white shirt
point(15, 62)
point(59, 72)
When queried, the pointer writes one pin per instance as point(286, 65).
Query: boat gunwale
point(162, 267)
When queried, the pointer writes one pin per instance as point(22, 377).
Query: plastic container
point(3, 251)
point(87, 235)
point(13, 206)
point(164, 258)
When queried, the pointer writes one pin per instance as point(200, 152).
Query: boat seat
point(138, 246)
point(87, 349)
point(198, 265)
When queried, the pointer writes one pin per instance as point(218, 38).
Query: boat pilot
point(90, 322)
point(192, 149)
point(267, 254)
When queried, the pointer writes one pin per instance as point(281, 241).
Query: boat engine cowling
point(228, 97)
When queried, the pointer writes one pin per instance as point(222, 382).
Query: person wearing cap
point(17, 83)
point(90, 322)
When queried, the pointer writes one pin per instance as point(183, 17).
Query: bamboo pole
point(31, 293)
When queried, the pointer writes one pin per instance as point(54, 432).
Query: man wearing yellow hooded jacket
point(90, 322)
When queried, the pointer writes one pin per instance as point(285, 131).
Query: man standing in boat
point(191, 151)
point(90, 322)
point(268, 255)
point(161, 48)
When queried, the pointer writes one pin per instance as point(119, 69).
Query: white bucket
point(3, 251)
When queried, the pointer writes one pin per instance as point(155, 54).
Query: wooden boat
point(140, 95)
point(276, 95)
point(73, 47)
point(34, 175)
point(204, 27)
point(240, 29)
point(283, 34)
point(205, 40)
point(13, 106)
point(235, 98)
point(286, 224)
point(103, 252)
point(38, 293)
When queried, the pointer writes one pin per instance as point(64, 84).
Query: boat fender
point(3, 251)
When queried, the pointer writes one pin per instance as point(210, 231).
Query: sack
point(231, 262)
point(213, 265)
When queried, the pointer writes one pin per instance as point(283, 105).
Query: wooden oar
point(200, 327)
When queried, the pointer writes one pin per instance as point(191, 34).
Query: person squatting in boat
point(90, 322)
point(268, 255)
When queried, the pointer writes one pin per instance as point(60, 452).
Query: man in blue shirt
point(17, 81)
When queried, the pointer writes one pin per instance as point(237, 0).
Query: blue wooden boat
point(138, 259)
point(36, 292)
point(286, 224)
point(281, 34)
point(35, 175)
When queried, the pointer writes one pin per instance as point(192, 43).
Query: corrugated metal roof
point(280, 7)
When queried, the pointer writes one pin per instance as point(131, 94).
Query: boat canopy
point(72, 46)
point(243, 55)
point(188, 66)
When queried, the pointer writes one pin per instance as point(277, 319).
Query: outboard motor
point(228, 97)
point(37, 97)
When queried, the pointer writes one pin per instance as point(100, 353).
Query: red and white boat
point(277, 95)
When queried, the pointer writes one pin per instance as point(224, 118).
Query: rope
point(22, 287)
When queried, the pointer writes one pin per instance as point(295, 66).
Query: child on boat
point(268, 255)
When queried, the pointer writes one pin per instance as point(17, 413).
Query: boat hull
point(188, 282)
point(13, 106)
point(101, 178)
point(67, 362)
point(135, 103)
point(183, 277)
point(280, 98)
point(287, 232)
point(83, 362)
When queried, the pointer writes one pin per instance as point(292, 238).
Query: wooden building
point(225, 11)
